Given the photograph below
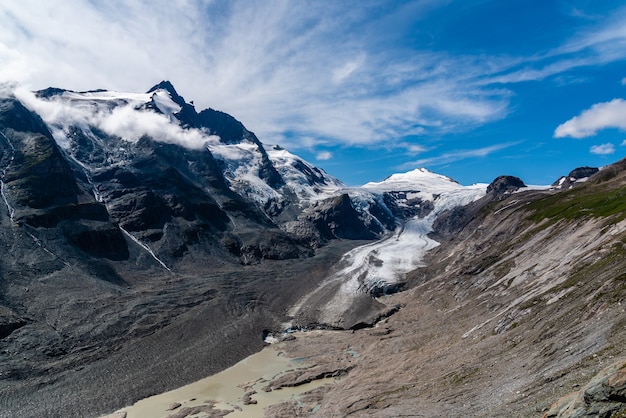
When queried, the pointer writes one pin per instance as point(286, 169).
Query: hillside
point(524, 302)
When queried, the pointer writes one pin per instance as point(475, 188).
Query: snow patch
point(270, 339)
point(291, 167)
point(241, 166)
point(416, 180)
point(145, 247)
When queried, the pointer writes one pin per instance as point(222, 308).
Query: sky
point(471, 89)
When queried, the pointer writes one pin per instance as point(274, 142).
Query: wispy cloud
point(450, 157)
point(324, 155)
point(282, 69)
point(415, 148)
point(297, 75)
point(600, 116)
point(126, 122)
point(598, 45)
point(603, 149)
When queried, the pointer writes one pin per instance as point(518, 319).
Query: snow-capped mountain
point(151, 159)
point(139, 231)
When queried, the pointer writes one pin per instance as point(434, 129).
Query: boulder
point(603, 396)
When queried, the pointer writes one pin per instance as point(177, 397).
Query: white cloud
point(600, 44)
point(603, 149)
point(125, 122)
point(624, 81)
point(278, 67)
point(600, 116)
point(416, 149)
point(324, 155)
point(623, 144)
point(320, 71)
point(343, 72)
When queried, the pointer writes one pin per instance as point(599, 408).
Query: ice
point(10, 209)
point(146, 248)
point(386, 262)
point(106, 95)
point(419, 179)
point(286, 162)
point(242, 163)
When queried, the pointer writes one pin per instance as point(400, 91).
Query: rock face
point(576, 176)
point(337, 218)
point(603, 396)
point(504, 185)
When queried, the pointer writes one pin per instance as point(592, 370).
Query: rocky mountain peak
point(169, 87)
point(504, 185)
point(576, 176)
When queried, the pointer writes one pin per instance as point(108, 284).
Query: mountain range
point(147, 245)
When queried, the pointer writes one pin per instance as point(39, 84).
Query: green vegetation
point(462, 376)
point(619, 414)
point(612, 266)
point(580, 202)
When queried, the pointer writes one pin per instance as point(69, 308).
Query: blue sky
point(467, 88)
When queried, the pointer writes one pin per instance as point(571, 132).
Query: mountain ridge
point(144, 233)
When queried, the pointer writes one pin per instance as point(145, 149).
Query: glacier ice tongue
point(385, 262)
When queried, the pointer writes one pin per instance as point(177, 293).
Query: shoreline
point(260, 380)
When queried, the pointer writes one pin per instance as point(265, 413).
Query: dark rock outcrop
point(9, 322)
point(452, 221)
point(504, 185)
point(337, 218)
point(575, 177)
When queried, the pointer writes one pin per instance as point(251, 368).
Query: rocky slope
point(524, 302)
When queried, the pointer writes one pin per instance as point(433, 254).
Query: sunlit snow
point(386, 262)
point(285, 162)
point(242, 163)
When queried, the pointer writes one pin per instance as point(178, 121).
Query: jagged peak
point(51, 91)
point(169, 87)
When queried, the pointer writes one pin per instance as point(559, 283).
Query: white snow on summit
point(419, 179)
point(106, 95)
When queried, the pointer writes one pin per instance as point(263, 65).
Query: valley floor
point(179, 329)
